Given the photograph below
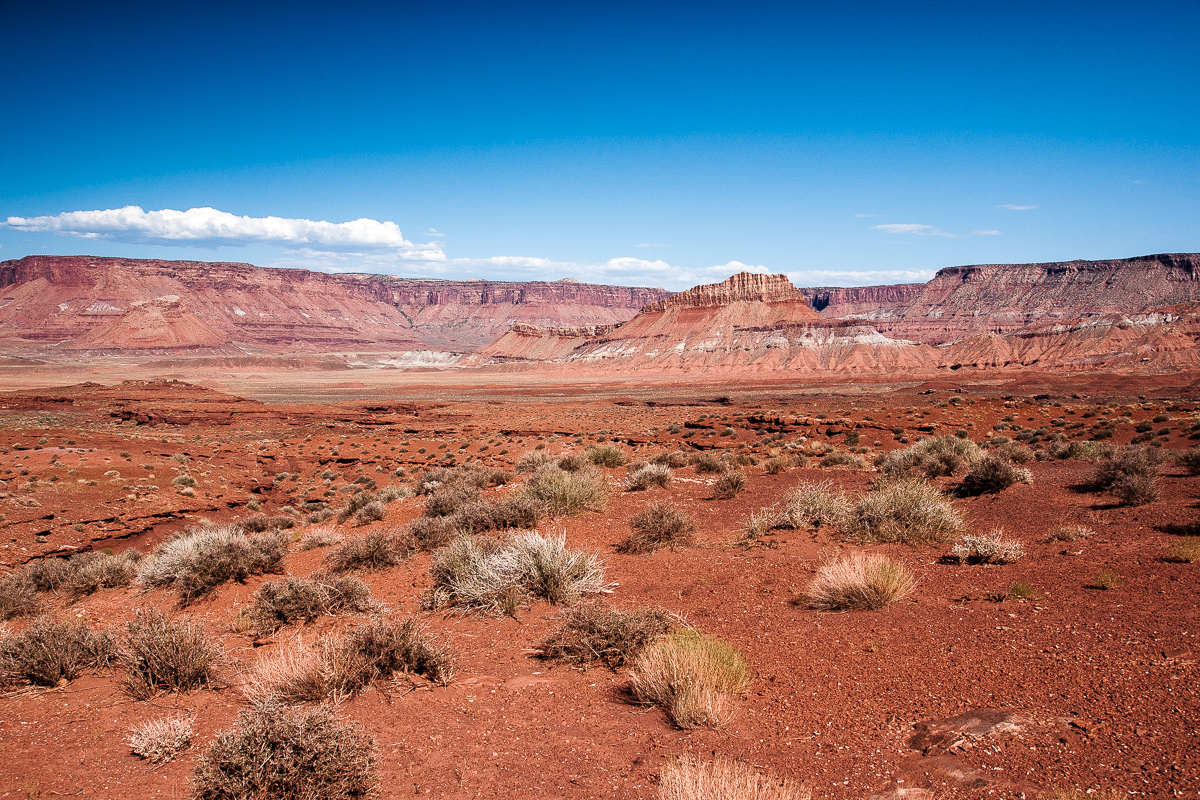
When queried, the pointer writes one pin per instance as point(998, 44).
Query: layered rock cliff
point(88, 303)
point(960, 302)
point(861, 302)
point(745, 287)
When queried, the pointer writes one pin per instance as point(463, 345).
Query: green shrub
point(52, 651)
point(276, 752)
point(859, 582)
point(197, 561)
point(161, 654)
point(592, 632)
point(660, 525)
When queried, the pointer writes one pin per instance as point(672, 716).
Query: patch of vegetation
point(53, 651)
point(774, 466)
point(689, 676)
point(605, 455)
point(18, 596)
point(199, 560)
point(729, 485)
point(276, 752)
point(647, 476)
point(931, 457)
point(290, 599)
point(859, 582)
point(988, 548)
point(1183, 552)
point(1129, 475)
point(373, 552)
point(992, 474)
point(478, 573)
point(812, 506)
point(842, 459)
point(688, 779)
point(909, 511)
point(593, 632)
point(320, 537)
point(676, 459)
point(567, 493)
point(660, 525)
point(1106, 579)
point(340, 667)
point(84, 573)
point(708, 463)
point(160, 740)
point(160, 654)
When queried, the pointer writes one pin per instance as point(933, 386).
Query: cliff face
point(1001, 298)
point(861, 302)
point(74, 300)
point(743, 287)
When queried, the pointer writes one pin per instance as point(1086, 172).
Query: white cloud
point(1012, 207)
point(917, 229)
point(649, 244)
point(434, 232)
point(823, 277)
point(865, 216)
point(210, 227)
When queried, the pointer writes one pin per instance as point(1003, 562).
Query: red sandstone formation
point(1000, 298)
point(862, 302)
point(112, 304)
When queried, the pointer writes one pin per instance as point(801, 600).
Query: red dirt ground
point(1095, 689)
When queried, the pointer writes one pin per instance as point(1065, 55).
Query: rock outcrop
point(960, 302)
point(112, 304)
point(749, 324)
point(861, 302)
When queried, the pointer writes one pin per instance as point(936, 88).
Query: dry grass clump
point(160, 740)
point(988, 548)
point(276, 752)
point(161, 654)
point(479, 477)
point(1069, 533)
point(52, 651)
point(260, 523)
point(509, 512)
point(812, 506)
point(859, 582)
point(675, 459)
point(533, 461)
point(605, 455)
point(909, 511)
point(483, 574)
point(708, 463)
point(84, 573)
point(375, 551)
point(279, 602)
point(199, 560)
point(647, 476)
point(449, 497)
point(689, 675)
point(320, 537)
point(1183, 552)
point(687, 779)
point(1129, 475)
point(991, 474)
point(343, 667)
point(931, 457)
point(18, 596)
point(593, 632)
point(728, 485)
point(660, 525)
point(1076, 450)
point(774, 466)
point(567, 493)
point(842, 460)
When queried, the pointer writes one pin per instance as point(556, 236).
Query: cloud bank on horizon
point(368, 245)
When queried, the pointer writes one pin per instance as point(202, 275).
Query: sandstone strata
point(861, 302)
point(112, 304)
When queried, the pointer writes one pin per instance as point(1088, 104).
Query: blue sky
point(655, 144)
